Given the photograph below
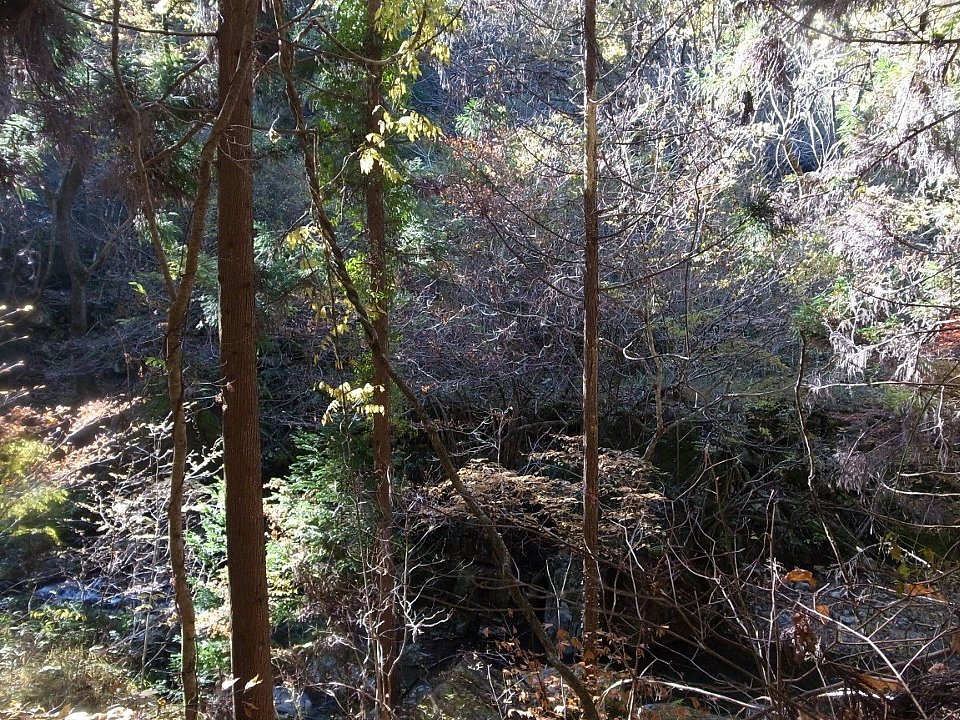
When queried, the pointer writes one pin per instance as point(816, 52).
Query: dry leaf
point(823, 610)
point(955, 641)
point(798, 575)
point(921, 590)
point(879, 685)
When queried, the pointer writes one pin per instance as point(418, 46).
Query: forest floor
point(89, 633)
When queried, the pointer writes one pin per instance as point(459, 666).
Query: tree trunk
point(179, 299)
point(246, 561)
point(591, 303)
point(63, 232)
point(175, 535)
point(386, 635)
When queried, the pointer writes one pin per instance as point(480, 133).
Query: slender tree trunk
point(179, 299)
point(591, 303)
point(386, 633)
point(175, 535)
point(63, 235)
point(179, 296)
point(246, 562)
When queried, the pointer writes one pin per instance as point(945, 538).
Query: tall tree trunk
point(179, 296)
point(386, 633)
point(591, 303)
point(246, 561)
point(64, 237)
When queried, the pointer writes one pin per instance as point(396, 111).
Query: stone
point(71, 591)
point(290, 702)
point(467, 692)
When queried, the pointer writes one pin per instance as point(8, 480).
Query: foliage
point(316, 542)
point(31, 509)
point(319, 521)
point(780, 196)
point(57, 656)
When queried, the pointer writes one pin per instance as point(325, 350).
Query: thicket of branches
point(778, 336)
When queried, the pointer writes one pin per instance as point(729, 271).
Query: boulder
point(468, 692)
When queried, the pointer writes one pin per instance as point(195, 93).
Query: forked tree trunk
point(591, 302)
point(386, 635)
point(246, 562)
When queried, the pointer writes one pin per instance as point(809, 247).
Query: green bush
point(31, 510)
point(317, 538)
point(59, 655)
point(318, 523)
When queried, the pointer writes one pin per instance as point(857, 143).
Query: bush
point(57, 656)
point(318, 524)
point(31, 510)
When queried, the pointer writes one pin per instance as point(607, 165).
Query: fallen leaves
point(921, 589)
point(879, 685)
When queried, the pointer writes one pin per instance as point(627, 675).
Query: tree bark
point(63, 235)
point(176, 314)
point(179, 296)
point(386, 635)
point(591, 303)
point(246, 556)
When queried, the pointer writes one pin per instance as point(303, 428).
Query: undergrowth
point(56, 657)
point(31, 508)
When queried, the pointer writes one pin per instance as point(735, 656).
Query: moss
point(209, 427)
point(465, 694)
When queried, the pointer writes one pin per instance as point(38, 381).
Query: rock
point(874, 622)
point(81, 715)
point(71, 591)
point(85, 433)
point(290, 702)
point(468, 692)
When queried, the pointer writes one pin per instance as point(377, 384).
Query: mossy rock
point(467, 693)
point(209, 426)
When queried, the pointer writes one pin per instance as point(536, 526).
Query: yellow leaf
point(367, 158)
point(253, 682)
